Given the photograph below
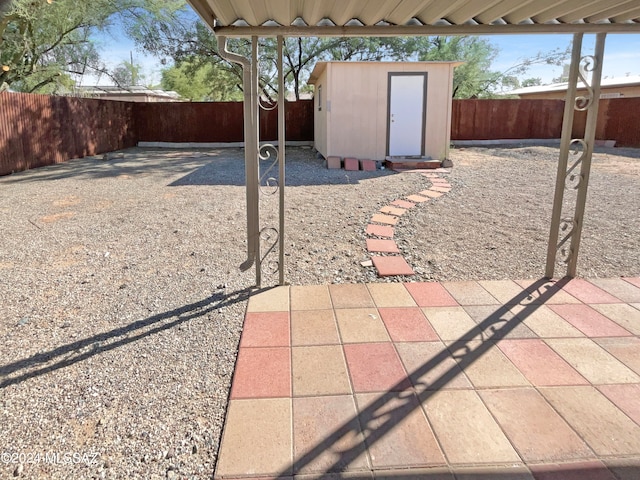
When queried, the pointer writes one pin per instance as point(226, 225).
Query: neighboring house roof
point(291, 97)
point(629, 81)
point(131, 91)
point(433, 17)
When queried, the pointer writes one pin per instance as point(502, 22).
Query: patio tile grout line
point(354, 402)
point(594, 456)
point(536, 388)
point(292, 463)
point(598, 389)
point(414, 390)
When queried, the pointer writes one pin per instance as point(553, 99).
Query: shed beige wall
point(320, 113)
point(353, 122)
point(632, 91)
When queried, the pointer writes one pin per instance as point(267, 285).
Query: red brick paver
point(589, 321)
point(262, 372)
point(266, 329)
point(393, 210)
point(375, 367)
point(386, 219)
point(417, 198)
point(351, 164)
point(380, 230)
point(389, 266)
point(431, 193)
point(385, 246)
point(407, 324)
point(588, 293)
point(403, 204)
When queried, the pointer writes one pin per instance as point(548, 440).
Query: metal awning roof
point(416, 17)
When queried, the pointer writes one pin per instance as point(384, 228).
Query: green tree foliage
point(168, 30)
point(474, 77)
point(43, 43)
point(127, 73)
point(201, 82)
point(531, 82)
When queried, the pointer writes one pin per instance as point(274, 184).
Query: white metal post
point(253, 181)
point(250, 148)
point(585, 170)
point(281, 157)
point(565, 233)
point(565, 142)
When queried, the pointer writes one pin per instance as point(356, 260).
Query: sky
point(622, 55)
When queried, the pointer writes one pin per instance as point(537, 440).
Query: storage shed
point(376, 110)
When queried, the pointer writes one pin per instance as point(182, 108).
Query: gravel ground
point(122, 301)
point(494, 224)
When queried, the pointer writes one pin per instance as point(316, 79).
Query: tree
point(531, 82)
point(564, 76)
point(474, 77)
point(170, 31)
point(512, 82)
point(127, 73)
point(200, 83)
point(43, 43)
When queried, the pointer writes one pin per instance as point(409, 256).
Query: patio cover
point(411, 17)
point(361, 18)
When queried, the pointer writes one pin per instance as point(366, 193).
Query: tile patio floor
point(454, 380)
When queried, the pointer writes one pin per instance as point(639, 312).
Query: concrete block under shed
point(334, 162)
point(351, 163)
point(367, 165)
point(400, 163)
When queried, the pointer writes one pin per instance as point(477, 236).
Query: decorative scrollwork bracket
point(574, 165)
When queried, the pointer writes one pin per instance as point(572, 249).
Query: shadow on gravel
point(299, 172)
point(128, 163)
point(222, 166)
point(71, 353)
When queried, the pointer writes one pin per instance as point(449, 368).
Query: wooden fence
point(618, 119)
point(37, 130)
point(506, 119)
point(217, 122)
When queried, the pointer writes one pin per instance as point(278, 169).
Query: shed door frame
point(424, 106)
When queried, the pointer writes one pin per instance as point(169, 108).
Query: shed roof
point(321, 66)
point(432, 17)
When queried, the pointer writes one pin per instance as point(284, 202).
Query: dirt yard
point(122, 300)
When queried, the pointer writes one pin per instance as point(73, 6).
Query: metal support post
point(253, 180)
point(257, 182)
point(565, 233)
point(281, 156)
point(585, 170)
point(250, 153)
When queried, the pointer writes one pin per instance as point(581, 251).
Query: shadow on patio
point(533, 428)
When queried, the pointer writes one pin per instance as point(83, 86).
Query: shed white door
point(406, 114)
